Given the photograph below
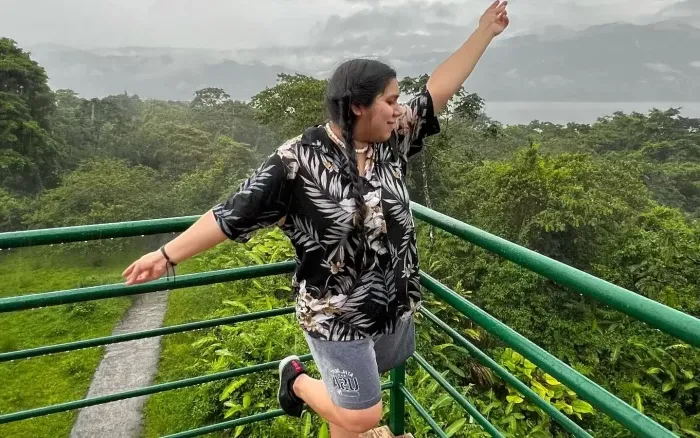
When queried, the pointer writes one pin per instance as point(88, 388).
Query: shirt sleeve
point(417, 122)
point(260, 201)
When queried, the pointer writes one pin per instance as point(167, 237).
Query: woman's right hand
point(495, 20)
point(150, 267)
point(202, 235)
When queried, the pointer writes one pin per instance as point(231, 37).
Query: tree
point(632, 131)
point(293, 104)
point(214, 112)
point(464, 105)
point(101, 191)
point(95, 127)
point(462, 108)
point(210, 97)
point(108, 124)
point(215, 178)
point(564, 206)
point(248, 129)
point(11, 210)
point(29, 155)
point(171, 148)
point(70, 127)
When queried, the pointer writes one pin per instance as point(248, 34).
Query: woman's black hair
point(356, 82)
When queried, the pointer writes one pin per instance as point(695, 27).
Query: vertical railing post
point(397, 401)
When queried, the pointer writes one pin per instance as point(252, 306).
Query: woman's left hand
point(495, 19)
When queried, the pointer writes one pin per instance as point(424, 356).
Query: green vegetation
point(619, 198)
point(63, 377)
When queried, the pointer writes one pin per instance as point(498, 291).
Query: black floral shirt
point(304, 188)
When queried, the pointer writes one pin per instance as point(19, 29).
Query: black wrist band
point(162, 249)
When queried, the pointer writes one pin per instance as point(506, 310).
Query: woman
point(346, 210)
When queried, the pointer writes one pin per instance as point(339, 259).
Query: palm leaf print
point(305, 234)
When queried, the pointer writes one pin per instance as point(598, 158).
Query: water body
point(513, 113)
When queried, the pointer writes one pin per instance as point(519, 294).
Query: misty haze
point(567, 52)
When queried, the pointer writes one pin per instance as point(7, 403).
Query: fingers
point(128, 270)
point(147, 268)
point(135, 272)
point(498, 14)
point(133, 275)
point(498, 4)
point(145, 275)
point(142, 272)
point(140, 276)
point(496, 9)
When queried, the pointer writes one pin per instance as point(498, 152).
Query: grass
point(46, 380)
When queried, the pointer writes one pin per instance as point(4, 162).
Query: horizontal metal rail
point(422, 412)
point(153, 389)
point(80, 233)
point(24, 302)
point(227, 424)
point(667, 319)
point(657, 315)
point(459, 398)
point(565, 422)
point(237, 422)
point(113, 339)
point(588, 390)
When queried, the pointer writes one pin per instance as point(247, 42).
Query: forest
point(618, 198)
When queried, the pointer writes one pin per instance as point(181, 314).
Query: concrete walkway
point(127, 365)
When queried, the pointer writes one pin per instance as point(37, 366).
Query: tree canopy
point(29, 155)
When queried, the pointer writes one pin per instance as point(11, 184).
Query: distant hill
point(159, 73)
point(613, 62)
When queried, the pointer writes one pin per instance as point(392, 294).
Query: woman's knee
point(361, 420)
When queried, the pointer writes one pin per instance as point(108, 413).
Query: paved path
point(127, 365)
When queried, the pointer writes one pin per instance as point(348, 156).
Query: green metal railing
point(671, 321)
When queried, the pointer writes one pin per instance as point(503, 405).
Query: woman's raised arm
point(449, 76)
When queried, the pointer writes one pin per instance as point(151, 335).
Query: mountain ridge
point(608, 62)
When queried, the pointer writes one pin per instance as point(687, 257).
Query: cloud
point(444, 24)
point(555, 81)
point(660, 68)
point(217, 24)
point(365, 25)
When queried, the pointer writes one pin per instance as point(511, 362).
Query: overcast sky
point(241, 24)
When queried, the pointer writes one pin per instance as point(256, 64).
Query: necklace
point(338, 141)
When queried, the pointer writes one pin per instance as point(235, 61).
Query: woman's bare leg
point(347, 423)
point(339, 432)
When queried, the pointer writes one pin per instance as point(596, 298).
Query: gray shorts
point(351, 369)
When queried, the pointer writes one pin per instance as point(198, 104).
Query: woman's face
point(375, 123)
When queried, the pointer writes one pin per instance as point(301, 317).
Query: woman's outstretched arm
point(204, 234)
point(260, 201)
point(449, 76)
